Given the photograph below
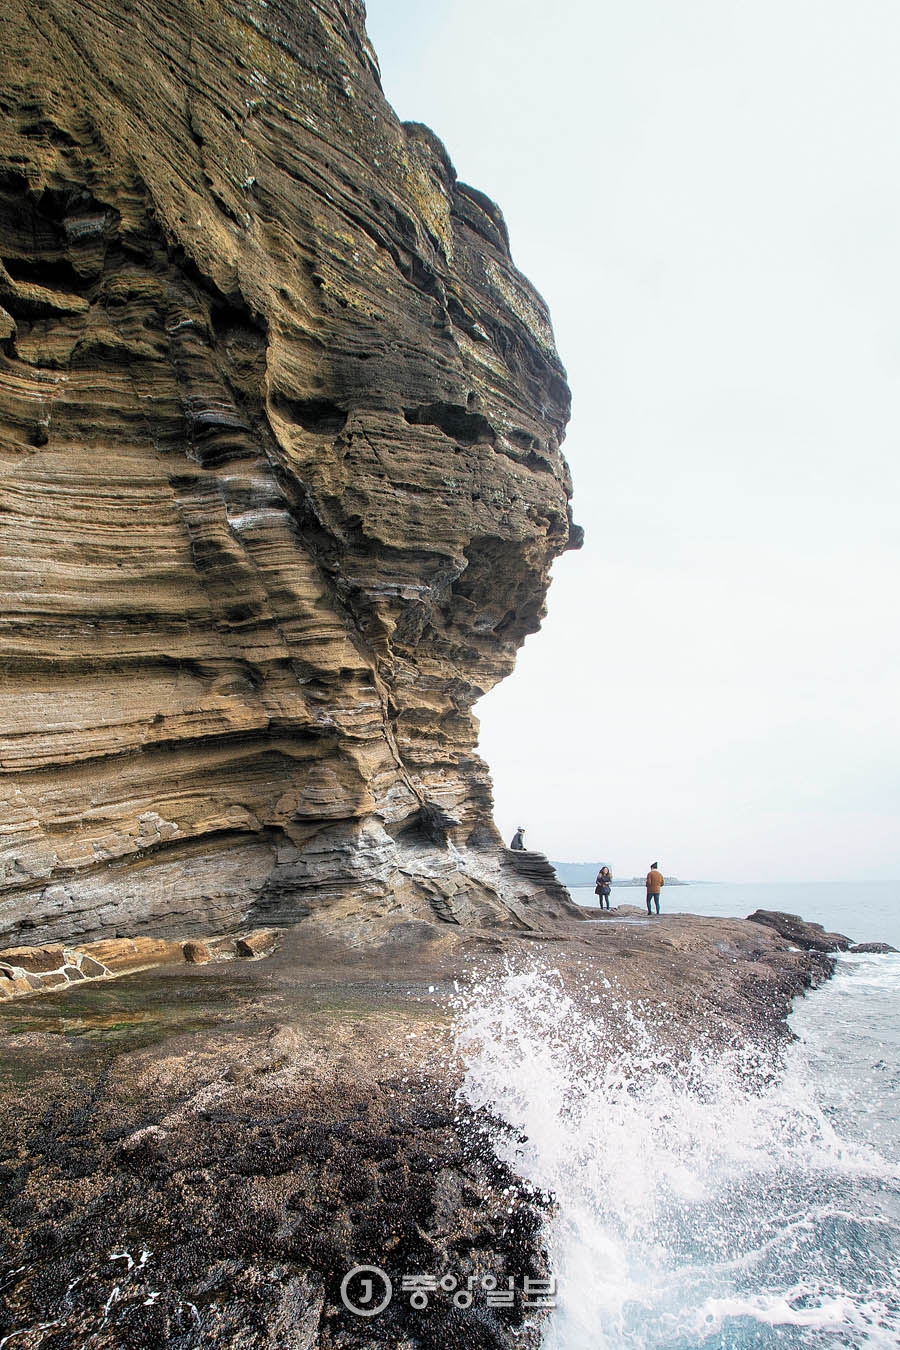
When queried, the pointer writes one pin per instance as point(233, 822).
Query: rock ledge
point(809, 936)
point(39, 970)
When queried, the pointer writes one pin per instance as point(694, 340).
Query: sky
point(706, 192)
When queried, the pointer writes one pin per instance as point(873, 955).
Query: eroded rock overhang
point(280, 429)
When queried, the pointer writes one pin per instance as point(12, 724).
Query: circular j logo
point(368, 1282)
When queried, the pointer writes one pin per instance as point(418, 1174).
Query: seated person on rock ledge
point(655, 883)
point(518, 839)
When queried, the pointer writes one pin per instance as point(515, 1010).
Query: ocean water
point(697, 1208)
point(867, 911)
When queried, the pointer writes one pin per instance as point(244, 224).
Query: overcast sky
point(707, 194)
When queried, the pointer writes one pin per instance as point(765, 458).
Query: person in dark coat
point(518, 839)
point(602, 886)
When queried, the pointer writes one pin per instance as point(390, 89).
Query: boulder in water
point(812, 937)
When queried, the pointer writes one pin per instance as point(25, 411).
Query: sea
point(867, 911)
point(719, 1203)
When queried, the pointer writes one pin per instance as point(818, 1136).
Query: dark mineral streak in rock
point(280, 432)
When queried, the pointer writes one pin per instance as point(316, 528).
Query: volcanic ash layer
point(281, 481)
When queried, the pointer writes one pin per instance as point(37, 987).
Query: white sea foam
point(700, 1202)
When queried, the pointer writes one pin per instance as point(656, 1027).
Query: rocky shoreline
point(205, 1152)
point(282, 427)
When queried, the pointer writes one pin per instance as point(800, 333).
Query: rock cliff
point(280, 480)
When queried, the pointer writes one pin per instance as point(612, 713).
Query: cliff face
point(280, 479)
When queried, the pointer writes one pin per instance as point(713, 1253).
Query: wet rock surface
point(230, 1220)
point(205, 1151)
point(811, 936)
point(280, 430)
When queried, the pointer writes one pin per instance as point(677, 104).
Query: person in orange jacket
point(655, 883)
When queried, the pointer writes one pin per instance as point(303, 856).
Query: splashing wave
point(703, 1199)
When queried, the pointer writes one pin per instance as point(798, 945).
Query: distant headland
point(584, 874)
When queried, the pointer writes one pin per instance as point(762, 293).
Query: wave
point(703, 1198)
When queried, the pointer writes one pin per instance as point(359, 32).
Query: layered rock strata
point(25, 971)
point(280, 480)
